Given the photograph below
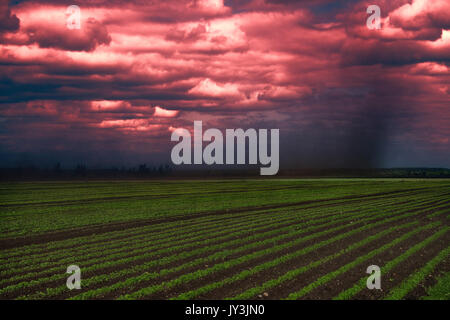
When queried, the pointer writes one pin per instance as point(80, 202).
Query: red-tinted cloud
point(135, 69)
point(8, 22)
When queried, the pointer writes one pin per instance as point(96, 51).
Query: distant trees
point(148, 171)
point(161, 170)
point(80, 170)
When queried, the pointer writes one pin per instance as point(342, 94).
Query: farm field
point(226, 239)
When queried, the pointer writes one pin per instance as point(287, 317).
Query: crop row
point(272, 263)
point(94, 240)
point(125, 246)
point(94, 249)
point(414, 279)
point(186, 278)
point(172, 248)
point(441, 290)
point(179, 238)
point(361, 284)
point(292, 231)
point(328, 277)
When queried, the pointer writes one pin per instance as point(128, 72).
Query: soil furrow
point(104, 228)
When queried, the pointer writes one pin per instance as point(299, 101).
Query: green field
point(226, 239)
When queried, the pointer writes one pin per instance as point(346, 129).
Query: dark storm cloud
point(86, 39)
point(342, 95)
point(8, 22)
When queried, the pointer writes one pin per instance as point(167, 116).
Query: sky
point(112, 92)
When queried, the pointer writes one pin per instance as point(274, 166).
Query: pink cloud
point(160, 112)
point(35, 28)
point(106, 105)
point(136, 65)
point(129, 124)
point(8, 22)
point(207, 87)
point(422, 14)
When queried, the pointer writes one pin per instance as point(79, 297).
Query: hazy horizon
point(112, 92)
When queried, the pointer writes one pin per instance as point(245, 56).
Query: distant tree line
point(83, 171)
point(149, 171)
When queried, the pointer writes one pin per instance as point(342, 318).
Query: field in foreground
point(218, 239)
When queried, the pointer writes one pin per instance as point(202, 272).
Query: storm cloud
point(342, 95)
